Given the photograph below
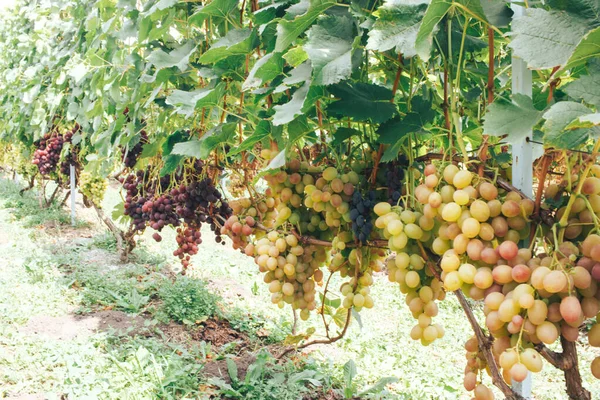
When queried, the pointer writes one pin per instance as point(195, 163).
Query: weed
point(267, 380)
point(187, 300)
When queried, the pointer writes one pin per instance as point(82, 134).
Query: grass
point(60, 277)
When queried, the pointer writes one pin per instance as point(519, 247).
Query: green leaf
point(329, 48)
point(362, 101)
point(587, 88)
point(339, 317)
point(237, 42)
point(178, 57)
point(262, 131)
point(188, 102)
point(267, 68)
point(587, 10)
point(515, 119)
point(545, 39)
point(497, 12)
point(378, 386)
point(395, 131)
point(201, 148)
point(171, 163)
point(297, 129)
point(288, 31)
point(153, 148)
point(585, 121)
point(349, 372)
point(397, 26)
point(342, 134)
point(216, 8)
point(435, 12)
point(586, 49)
point(473, 8)
point(558, 117)
point(287, 112)
point(232, 370)
point(295, 56)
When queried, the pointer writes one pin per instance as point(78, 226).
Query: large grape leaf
point(216, 8)
point(587, 10)
point(515, 119)
point(545, 39)
point(261, 131)
point(235, 43)
point(265, 69)
point(435, 12)
point(288, 31)
point(397, 26)
point(287, 112)
point(497, 12)
point(558, 117)
point(362, 102)
point(473, 8)
point(201, 148)
point(187, 102)
point(178, 57)
point(329, 48)
point(587, 87)
point(587, 48)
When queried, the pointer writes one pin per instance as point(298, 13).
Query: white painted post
point(522, 161)
point(73, 193)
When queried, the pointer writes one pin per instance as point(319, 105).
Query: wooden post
point(522, 160)
point(73, 193)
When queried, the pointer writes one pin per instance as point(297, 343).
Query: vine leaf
point(236, 42)
point(497, 12)
point(587, 10)
point(585, 121)
point(216, 8)
point(342, 134)
point(586, 49)
point(395, 131)
point(262, 131)
point(362, 102)
point(178, 57)
point(287, 112)
point(265, 69)
point(329, 48)
point(474, 8)
point(187, 102)
point(201, 148)
point(288, 31)
point(435, 12)
point(397, 26)
point(515, 119)
point(545, 39)
point(587, 88)
point(558, 117)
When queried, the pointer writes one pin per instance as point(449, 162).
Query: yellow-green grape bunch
point(403, 228)
point(291, 270)
point(475, 363)
point(361, 264)
point(93, 187)
point(246, 213)
point(314, 200)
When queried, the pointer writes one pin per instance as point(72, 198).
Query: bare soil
point(69, 327)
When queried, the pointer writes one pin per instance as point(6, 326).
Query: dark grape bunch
point(394, 174)
point(49, 149)
point(188, 239)
point(186, 206)
point(133, 154)
point(360, 214)
point(47, 155)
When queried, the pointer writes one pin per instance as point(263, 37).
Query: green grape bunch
point(93, 187)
